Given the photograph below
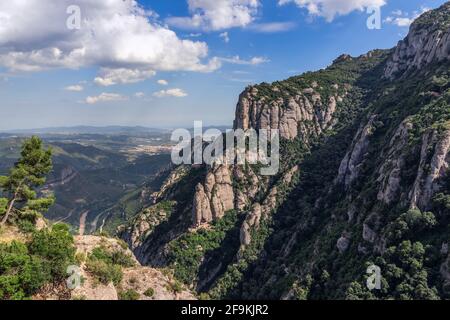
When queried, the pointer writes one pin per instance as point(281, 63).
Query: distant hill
point(86, 130)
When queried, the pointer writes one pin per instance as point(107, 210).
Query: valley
point(101, 177)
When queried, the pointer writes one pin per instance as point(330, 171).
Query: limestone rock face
point(213, 199)
point(143, 224)
point(343, 243)
point(422, 46)
point(390, 171)
point(263, 210)
point(368, 234)
point(427, 183)
point(137, 278)
point(350, 165)
point(165, 190)
point(288, 114)
point(201, 208)
point(245, 234)
point(140, 279)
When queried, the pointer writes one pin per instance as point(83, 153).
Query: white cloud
point(272, 27)
point(76, 88)
point(253, 61)
point(109, 77)
point(217, 14)
point(114, 35)
point(105, 97)
point(401, 22)
point(405, 19)
point(139, 94)
point(163, 82)
point(329, 9)
point(178, 93)
point(225, 37)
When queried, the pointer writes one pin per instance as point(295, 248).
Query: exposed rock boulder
point(138, 278)
point(391, 169)
point(201, 208)
point(263, 210)
point(351, 164)
point(213, 199)
point(343, 243)
point(427, 180)
point(369, 235)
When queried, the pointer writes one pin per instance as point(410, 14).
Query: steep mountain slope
point(363, 181)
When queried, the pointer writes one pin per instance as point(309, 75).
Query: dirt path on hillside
point(83, 222)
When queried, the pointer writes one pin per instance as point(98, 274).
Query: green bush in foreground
point(25, 268)
point(150, 292)
point(106, 264)
point(104, 272)
point(129, 295)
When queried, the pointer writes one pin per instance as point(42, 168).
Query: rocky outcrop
point(249, 184)
point(343, 243)
point(215, 197)
point(425, 43)
point(391, 169)
point(144, 223)
point(175, 176)
point(138, 278)
point(302, 115)
point(263, 210)
point(142, 279)
point(351, 164)
point(429, 172)
point(202, 206)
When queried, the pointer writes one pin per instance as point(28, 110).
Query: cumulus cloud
point(76, 88)
point(105, 97)
point(253, 61)
point(117, 35)
point(109, 77)
point(139, 94)
point(272, 27)
point(163, 82)
point(217, 14)
point(404, 19)
point(225, 37)
point(329, 9)
point(176, 92)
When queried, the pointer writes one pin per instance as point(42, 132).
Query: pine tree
point(19, 187)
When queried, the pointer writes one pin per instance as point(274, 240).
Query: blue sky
point(212, 59)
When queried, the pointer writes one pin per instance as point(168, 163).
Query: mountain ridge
point(363, 182)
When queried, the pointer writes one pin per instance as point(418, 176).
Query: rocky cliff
point(428, 41)
point(364, 180)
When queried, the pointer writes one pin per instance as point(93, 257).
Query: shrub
point(117, 257)
point(129, 295)
point(21, 274)
point(104, 272)
point(56, 247)
point(26, 226)
point(150, 292)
